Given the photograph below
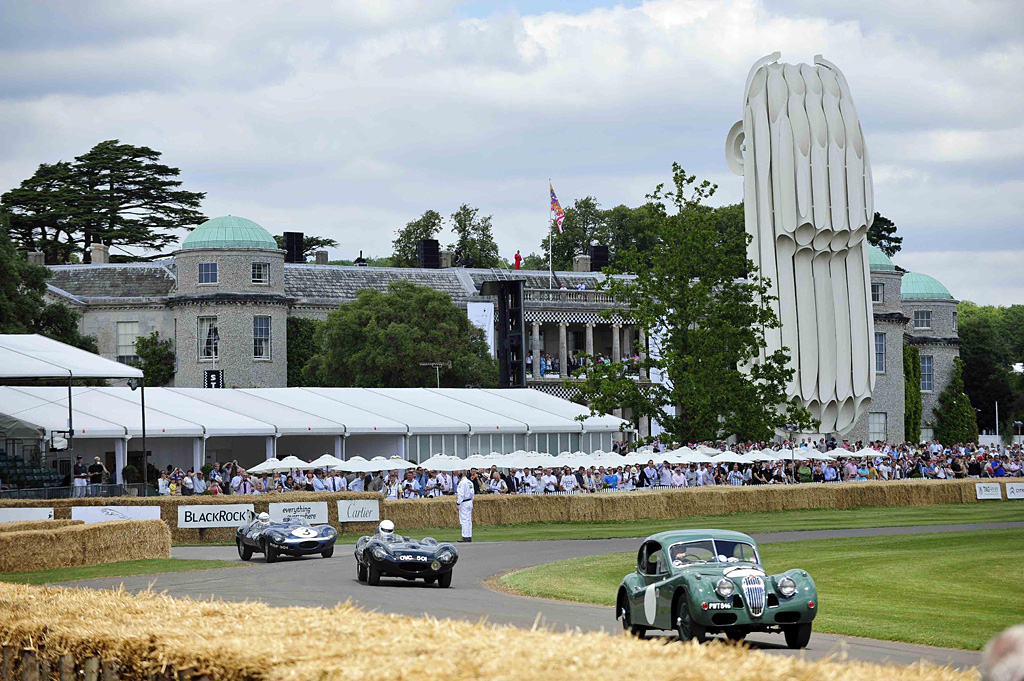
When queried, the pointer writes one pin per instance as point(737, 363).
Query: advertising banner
point(15, 515)
point(102, 514)
point(313, 512)
point(358, 511)
point(1015, 490)
point(481, 315)
point(988, 490)
point(214, 515)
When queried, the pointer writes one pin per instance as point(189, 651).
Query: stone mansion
point(225, 295)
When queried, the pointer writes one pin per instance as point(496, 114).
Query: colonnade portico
point(616, 341)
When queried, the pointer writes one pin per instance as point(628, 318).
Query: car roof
point(672, 536)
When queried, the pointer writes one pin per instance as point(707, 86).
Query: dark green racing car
point(701, 582)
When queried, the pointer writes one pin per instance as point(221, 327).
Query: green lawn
point(125, 569)
point(828, 519)
point(954, 589)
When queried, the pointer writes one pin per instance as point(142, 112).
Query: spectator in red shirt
point(519, 260)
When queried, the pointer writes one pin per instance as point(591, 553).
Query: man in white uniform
point(464, 499)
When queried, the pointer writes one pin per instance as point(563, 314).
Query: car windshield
point(712, 551)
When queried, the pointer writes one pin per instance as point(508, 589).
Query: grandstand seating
point(16, 472)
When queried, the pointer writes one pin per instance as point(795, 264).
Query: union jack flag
point(556, 208)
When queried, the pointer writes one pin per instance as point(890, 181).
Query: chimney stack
point(100, 254)
point(36, 258)
point(321, 257)
point(581, 263)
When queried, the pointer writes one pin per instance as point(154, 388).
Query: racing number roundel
point(650, 604)
point(304, 532)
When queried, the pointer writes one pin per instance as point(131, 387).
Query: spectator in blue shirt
point(611, 481)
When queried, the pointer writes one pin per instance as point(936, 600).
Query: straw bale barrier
point(80, 544)
point(149, 636)
point(22, 525)
point(515, 509)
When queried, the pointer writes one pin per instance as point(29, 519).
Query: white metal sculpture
point(808, 203)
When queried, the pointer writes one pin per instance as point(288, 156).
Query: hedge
point(515, 509)
point(153, 636)
point(77, 545)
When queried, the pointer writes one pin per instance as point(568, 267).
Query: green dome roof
point(229, 232)
point(917, 286)
point(880, 262)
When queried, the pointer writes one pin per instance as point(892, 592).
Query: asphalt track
point(323, 582)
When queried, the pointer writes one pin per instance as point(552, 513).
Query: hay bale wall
point(514, 510)
point(153, 636)
point(75, 545)
point(22, 525)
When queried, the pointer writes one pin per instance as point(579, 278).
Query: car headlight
point(445, 556)
point(379, 553)
point(276, 536)
point(328, 531)
point(787, 587)
point(725, 588)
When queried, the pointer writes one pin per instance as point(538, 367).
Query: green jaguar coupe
point(700, 582)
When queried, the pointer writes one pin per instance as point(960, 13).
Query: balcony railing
point(568, 296)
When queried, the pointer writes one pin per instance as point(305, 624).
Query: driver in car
point(386, 531)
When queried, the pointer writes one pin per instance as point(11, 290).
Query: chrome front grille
point(753, 594)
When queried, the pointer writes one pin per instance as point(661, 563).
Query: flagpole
point(551, 230)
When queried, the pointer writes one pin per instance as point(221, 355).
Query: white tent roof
point(289, 420)
point(419, 420)
point(41, 415)
point(355, 420)
point(556, 406)
point(29, 355)
point(217, 421)
point(477, 417)
point(122, 407)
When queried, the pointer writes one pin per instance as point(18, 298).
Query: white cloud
point(985, 277)
point(350, 119)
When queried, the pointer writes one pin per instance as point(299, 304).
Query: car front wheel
point(372, 576)
point(444, 581)
point(687, 629)
point(244, 552)
point(271, 553)
point(327, 553)
point(360, 572)
point(798, 635)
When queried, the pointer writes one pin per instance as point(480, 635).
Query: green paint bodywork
point(664, 589)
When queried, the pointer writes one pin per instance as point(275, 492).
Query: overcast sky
point(350, 119)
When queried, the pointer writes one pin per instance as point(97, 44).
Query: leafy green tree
point(381, 338)
point(584, 222)
point(707, 323)
point(371, 261)
point(882, 233)
point(614, 385)
point(156, 358)
point(301, 347)
point(116, 194)
point(913, 409)
point(474, 239)
point(630, 233)
point(310, 244)
point(992, 344)
point(23, 306)
point(533, 261)
point(954, 415)
point(407, 239)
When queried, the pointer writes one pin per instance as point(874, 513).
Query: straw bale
point(78, 544)
point(150, 632)
point(22, 525)
point(515, 510)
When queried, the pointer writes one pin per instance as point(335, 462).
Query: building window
point(127, 332)
point(209, 338)
point(956, 322)
point(927, 434)
point(261, 273)
point(207, 273)
point(926, 373)
point(922, 319)
point(877, 422)
point(261, 337)
point(877, 293)
point(879, 353)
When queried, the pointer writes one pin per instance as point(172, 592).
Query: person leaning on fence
point(198, 484)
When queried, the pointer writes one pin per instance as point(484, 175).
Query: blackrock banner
point(313, 512)
point(102, 514)
point(214, 515)
point(988, 490)
point(358, 511)
point(17, 515)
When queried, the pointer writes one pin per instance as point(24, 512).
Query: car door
point(647, 601)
